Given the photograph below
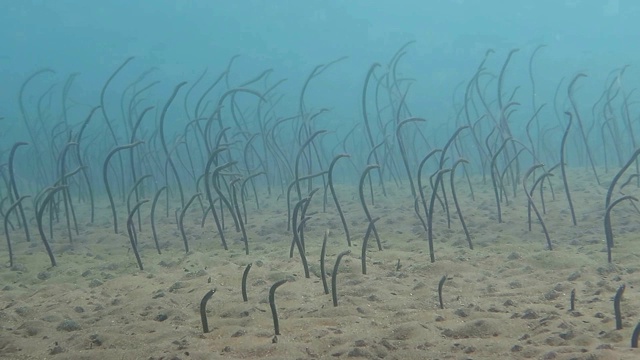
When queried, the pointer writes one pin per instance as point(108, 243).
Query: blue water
point(428, 51)
point(227, 106)
point(182, 38)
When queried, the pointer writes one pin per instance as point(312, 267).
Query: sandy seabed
point(506, 299)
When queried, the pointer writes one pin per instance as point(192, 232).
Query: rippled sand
point(506, 299)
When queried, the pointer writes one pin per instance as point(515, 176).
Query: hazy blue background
point(182, 38)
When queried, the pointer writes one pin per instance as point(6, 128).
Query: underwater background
point(447, 179)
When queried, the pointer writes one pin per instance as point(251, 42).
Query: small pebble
point(44, 275)
point(57, 349)
point(530, 314)
point(461, 313)
point(68, 325)
point(239, 333)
